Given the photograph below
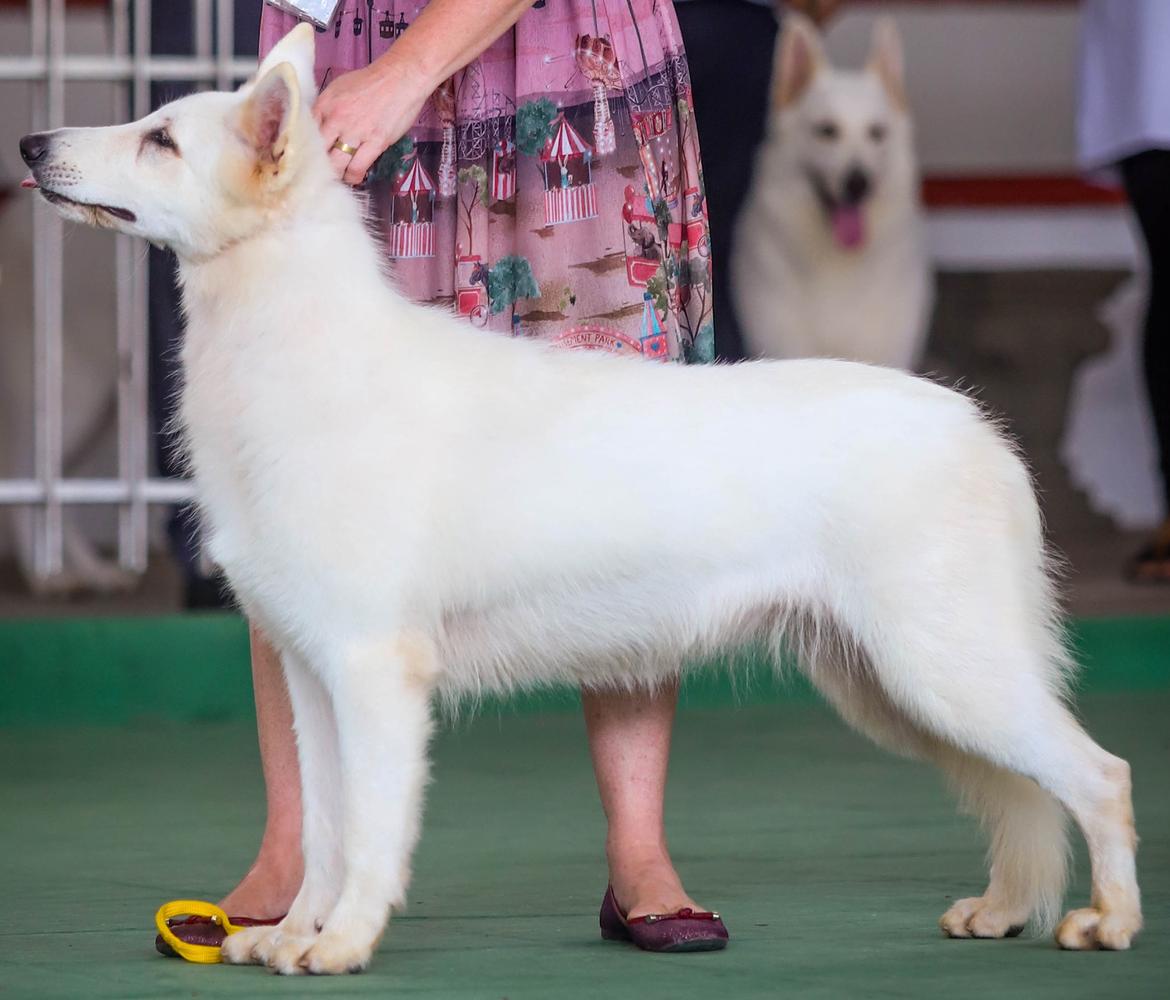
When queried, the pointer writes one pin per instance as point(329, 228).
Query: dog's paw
point(247, 946)
point(976, 918)
point(334, 953)
point(286, 956)
point(1088, 929)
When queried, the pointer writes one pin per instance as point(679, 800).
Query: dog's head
point(845, 129)
point(198, 174)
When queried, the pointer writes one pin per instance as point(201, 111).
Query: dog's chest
point(232, 399)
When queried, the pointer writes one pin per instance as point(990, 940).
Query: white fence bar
point(132, 66)
point(100, 491)
point(98, 68)
point(204, 31)
point(133, 398)
point(124, 275)
point(225, 29)
point(47, 41)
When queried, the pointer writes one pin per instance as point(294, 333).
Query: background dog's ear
point(268, 117)
point(885, 59)
point(298, 48)
point(799, 57)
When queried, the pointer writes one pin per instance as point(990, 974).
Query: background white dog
point(409, 507)
point(830, 257)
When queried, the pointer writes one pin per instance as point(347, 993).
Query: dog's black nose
point(856, 186)
point(34, 147)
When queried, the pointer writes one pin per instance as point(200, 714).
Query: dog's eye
point(877, 132)
point(162, 138)
point(826, 130)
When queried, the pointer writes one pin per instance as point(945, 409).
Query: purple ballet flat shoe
point(686, 930)
point(205, 931)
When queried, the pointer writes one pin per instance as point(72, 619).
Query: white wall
point(992, 85)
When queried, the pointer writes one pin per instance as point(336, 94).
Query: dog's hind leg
point(381, 700)
point(1024, 823)
point(1018, 754)
point(973, 662)
point(1027, 856)
point(281, 947)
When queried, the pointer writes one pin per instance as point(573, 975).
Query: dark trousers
point(1147, 182)
point(170, 30)
point(729, 47)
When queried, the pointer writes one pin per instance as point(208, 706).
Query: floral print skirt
point(553, 187)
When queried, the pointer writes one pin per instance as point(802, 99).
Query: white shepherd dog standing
point(395, 518)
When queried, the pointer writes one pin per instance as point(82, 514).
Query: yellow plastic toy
point(204, 954)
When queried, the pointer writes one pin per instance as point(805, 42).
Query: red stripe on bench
point(1016, 191)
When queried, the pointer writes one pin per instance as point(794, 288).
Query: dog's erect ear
point(799, 58)
point(268, 117)
point(885, 59)
point(298, 49)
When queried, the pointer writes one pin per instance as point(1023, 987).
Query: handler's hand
point(370, 109)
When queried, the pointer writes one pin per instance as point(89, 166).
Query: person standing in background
point(730, 46)
point(1123, 123)
point(172, 34)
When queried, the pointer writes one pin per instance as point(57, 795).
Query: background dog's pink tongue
point(848, 228)
point(28, 182)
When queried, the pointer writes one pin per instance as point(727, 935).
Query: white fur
point(409, 507)
point(799, 293)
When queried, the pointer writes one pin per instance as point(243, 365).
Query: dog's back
point(831, 255)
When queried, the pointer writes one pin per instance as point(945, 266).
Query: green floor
point(830, 861)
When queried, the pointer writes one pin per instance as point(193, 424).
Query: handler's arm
point(372, 108)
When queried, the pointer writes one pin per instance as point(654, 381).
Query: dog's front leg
point(381, 699)
point(282, 946)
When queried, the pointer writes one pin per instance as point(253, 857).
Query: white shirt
point(1125, 80)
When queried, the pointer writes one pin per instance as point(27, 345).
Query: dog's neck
point(320, 238)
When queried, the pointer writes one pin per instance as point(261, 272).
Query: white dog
point(830, 257)
point(409, 507)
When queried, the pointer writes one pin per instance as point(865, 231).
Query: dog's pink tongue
point(848, 227)
point(28, 182)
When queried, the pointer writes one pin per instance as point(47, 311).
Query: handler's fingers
point(360, 165)
point(340, 162)
point(330, 132)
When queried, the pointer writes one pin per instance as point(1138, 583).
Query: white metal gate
point(131, 65)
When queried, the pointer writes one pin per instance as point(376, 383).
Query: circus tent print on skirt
point(569, 193)
point(413, 231)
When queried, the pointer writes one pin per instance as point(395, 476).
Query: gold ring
point(345, 147)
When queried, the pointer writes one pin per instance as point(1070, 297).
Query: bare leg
point(317, 750)
point(629, 740)
point(271, 884)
